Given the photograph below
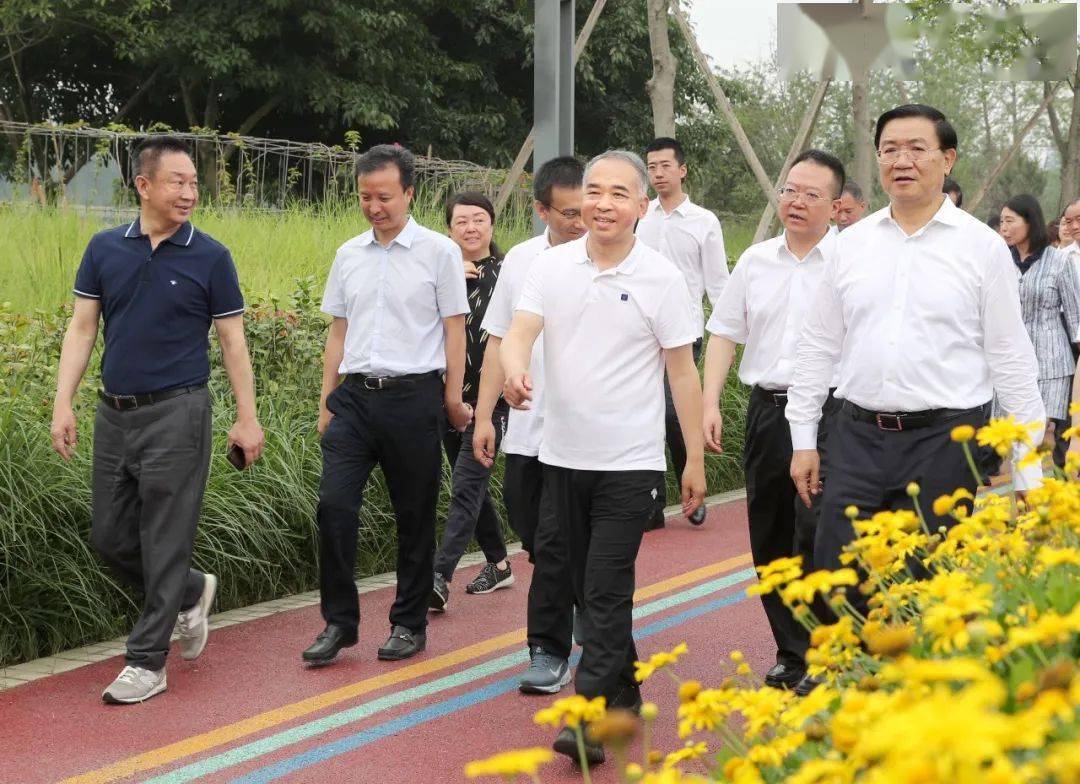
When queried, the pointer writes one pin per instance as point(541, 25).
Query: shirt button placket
point(380, 305)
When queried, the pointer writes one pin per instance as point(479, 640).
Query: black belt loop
point(131, 402)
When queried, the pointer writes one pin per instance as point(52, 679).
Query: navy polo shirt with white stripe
point(157, 305)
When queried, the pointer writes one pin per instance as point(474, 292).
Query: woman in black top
point(470, 218)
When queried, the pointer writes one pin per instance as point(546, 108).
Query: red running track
point(249, 711)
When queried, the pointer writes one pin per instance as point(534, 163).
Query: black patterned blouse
point(480, 290)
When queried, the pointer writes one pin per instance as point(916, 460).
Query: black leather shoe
point(657, 520)
point(402, 644)
point(566, 743)
point(628, 698)
point(784, 676)
point(807, 685)
point(326, 646)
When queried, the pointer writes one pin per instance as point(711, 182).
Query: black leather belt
point(776, 397)
point(131, 402)
point(375, 383)
point(899, 421)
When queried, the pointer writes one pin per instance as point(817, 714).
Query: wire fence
point(45, 163)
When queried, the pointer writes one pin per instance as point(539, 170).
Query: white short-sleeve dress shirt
point(525, 428)
point(926, 321)
point(394, 299)
point(691, 238)
point(763, 306)
point(604, 338)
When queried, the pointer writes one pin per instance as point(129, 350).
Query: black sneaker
point(698, 517)
point(566, 744)
point(491, 578)
point(440, 595)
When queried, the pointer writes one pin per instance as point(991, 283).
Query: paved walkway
point(248, 711)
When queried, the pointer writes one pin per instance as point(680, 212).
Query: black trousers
point(871, 469)
point(472, 511)
point(673, 433)
point(523, 484)
point(399, 428)
point(149, 475)
point(602, 517)
point(780, 524)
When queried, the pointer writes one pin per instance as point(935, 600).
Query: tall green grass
point(257, 530)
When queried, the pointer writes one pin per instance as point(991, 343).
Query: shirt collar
point(948, 214)
point(824, 246)
point(404, 238)
point(624, 267)
point(182, 236)
point(680, 208)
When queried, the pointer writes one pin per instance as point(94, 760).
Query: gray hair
point(626, 156)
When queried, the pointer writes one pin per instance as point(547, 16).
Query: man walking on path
point(397, 297)
point(613, 313)
point(157, 284)
point(924, 336)
point(690, 237)
point(763, 307)
point(557, 191)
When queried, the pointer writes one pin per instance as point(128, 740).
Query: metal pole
point(553, 83)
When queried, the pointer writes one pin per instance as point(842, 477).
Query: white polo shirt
point(763, 306)
point(604, 339)
point(395, 299)
point(525, 428)
point(691, 238)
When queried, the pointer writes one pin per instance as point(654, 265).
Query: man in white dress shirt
point(613, 313)
point(763, 307)
point(397, 297)
point(557, 191)
point(920, 307)
point(691, 238)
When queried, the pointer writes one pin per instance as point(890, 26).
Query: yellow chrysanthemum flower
point(523, 762)
point(1003, 434)
point(822, 582)
point(1050, 556)
point(571, 711)
point(645, 670)
point(691, 751)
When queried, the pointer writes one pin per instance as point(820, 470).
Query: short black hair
point(566, 171)
point(829, 161)
point(666, 143)
point(1052, 233)
point(852, 187)
point(474, 199)
point(148, 153)
point(1027, 207)
point(994, 221)
point(382, 155)
point(946, 134)
point(952, 186)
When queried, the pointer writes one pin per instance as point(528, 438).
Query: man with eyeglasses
point(557, 192)
point(691, 238)
point(762, 307)
point(920, 308)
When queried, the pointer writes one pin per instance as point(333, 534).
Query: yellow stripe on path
point(197, 744)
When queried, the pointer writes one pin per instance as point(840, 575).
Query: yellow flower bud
point(656, 757)
point(1025, 691)
point(743, 669)
point(913, 489)
point(851, 512)
point(688, 690)
point(736, 656)
point(962, 433)
point(634, 772)
point(649, 711)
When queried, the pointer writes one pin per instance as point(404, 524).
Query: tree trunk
point(1055, 126)
point(864, 141)
point(661, 87)
point(1070, 172)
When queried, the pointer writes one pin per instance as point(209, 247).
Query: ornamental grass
point(955, 663)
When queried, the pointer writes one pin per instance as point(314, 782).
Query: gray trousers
point(150, 469)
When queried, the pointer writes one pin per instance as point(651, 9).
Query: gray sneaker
point(547, 673)
point(698, 517)
point(440, 594)
point(193, 624)
point(134, 684)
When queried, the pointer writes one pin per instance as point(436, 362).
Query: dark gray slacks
point(472, 510)
point(149, 475)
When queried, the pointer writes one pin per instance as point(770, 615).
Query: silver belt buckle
point(119, 401)
point(378, 380)
point(898, 423)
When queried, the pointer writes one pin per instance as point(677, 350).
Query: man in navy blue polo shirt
point(157, 284)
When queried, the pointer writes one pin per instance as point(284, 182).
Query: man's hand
point(325, 415)
point(805, 473)
point(713, 425)
point(693, 486)
point(483, 443)
point(248, 435)
point(459, 414)
point(517, 391)
point(63, 432)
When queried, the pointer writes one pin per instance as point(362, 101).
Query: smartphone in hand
point(235, 455)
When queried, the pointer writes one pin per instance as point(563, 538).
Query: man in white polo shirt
point(763, 307)
point(613, 313)
point(397, 297)
point(691, 238)
point(557, 190)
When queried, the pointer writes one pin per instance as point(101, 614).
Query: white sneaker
point(194, 624)
point(134, 684)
